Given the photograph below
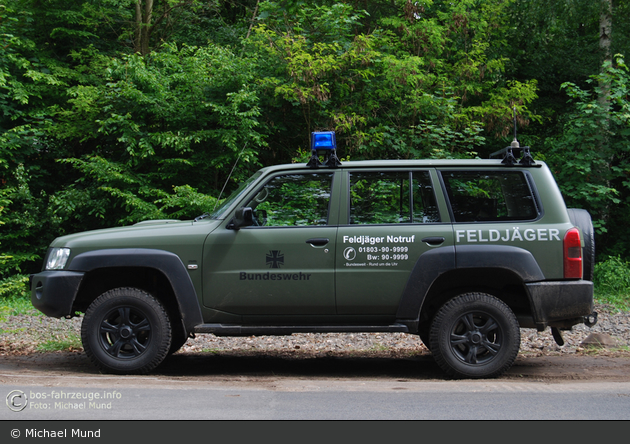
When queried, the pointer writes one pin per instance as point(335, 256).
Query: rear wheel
point(126, 331)
point(475, 335)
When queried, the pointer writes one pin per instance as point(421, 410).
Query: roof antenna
point(216, 202)
point(514, 143)
point(508, 152)
point(228, 178)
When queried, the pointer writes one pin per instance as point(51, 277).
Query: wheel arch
point(157, 272)
point(499, 282)
point(443, 273)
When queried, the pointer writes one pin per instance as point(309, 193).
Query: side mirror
point(243, 217)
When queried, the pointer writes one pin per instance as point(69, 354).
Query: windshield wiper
point(203, 216)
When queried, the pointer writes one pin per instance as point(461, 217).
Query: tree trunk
point(605, 33)
point(143, 26)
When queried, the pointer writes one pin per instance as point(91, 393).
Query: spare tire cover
point(582, 219)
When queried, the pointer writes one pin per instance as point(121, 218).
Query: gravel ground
point(28, 334)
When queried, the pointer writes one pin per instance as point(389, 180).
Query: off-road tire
point(126, 331)
point(475, 335)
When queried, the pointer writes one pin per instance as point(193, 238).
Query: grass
point(214, 351)
point(617, 301)
point(379, 348)
point(612, 282)
point(13, 330)
point(15, 297)
point(71, 342)
point(17, 305)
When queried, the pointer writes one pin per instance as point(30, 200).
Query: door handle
point(318, 241)
point(433, 240)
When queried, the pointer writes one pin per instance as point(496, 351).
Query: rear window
point(479, 196)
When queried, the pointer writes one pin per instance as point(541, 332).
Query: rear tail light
point(572, 254)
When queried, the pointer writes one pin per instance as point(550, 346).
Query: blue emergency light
point(323, 140)
point(327, 142)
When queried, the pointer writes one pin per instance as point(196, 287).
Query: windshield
point(217, 213)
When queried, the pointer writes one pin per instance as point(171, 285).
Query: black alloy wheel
point(475, 335)
point(126, 331)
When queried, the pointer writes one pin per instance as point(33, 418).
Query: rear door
point(390, 219)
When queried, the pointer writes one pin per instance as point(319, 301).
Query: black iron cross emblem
point(275, 259)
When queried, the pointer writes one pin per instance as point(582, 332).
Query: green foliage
point(114, 186)
point(591, 157)
point(20, 221)
point(93, 134)
point(427, 78)
point(612, 282)
point(177, 100)
point(555, 41)
point(158, 128)
point(91, 137)
point(15, 286)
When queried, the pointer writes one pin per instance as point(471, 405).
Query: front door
point(284, 263)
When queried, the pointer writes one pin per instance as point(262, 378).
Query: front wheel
point(475, 335)
point(126, 331)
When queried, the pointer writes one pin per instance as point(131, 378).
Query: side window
point(293, 200)
point(495, 196)
point(399, 197)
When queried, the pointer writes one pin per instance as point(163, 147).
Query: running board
point(281, 330)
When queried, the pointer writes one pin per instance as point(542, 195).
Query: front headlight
point(57, 258)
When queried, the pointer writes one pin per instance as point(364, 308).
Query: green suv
point(461, 253)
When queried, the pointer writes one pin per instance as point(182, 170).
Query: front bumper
point(53, 292)
point(560, 303)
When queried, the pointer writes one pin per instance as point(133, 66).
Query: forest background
point(117, 111)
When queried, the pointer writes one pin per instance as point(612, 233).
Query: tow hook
point(557, 336)
point(591, 319)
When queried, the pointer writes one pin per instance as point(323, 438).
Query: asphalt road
point(208, 387)
point(293, 399)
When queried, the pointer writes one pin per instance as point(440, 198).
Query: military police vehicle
point(461, 253)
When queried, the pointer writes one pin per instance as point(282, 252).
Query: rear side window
point(477, 196)
point(397, 197)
